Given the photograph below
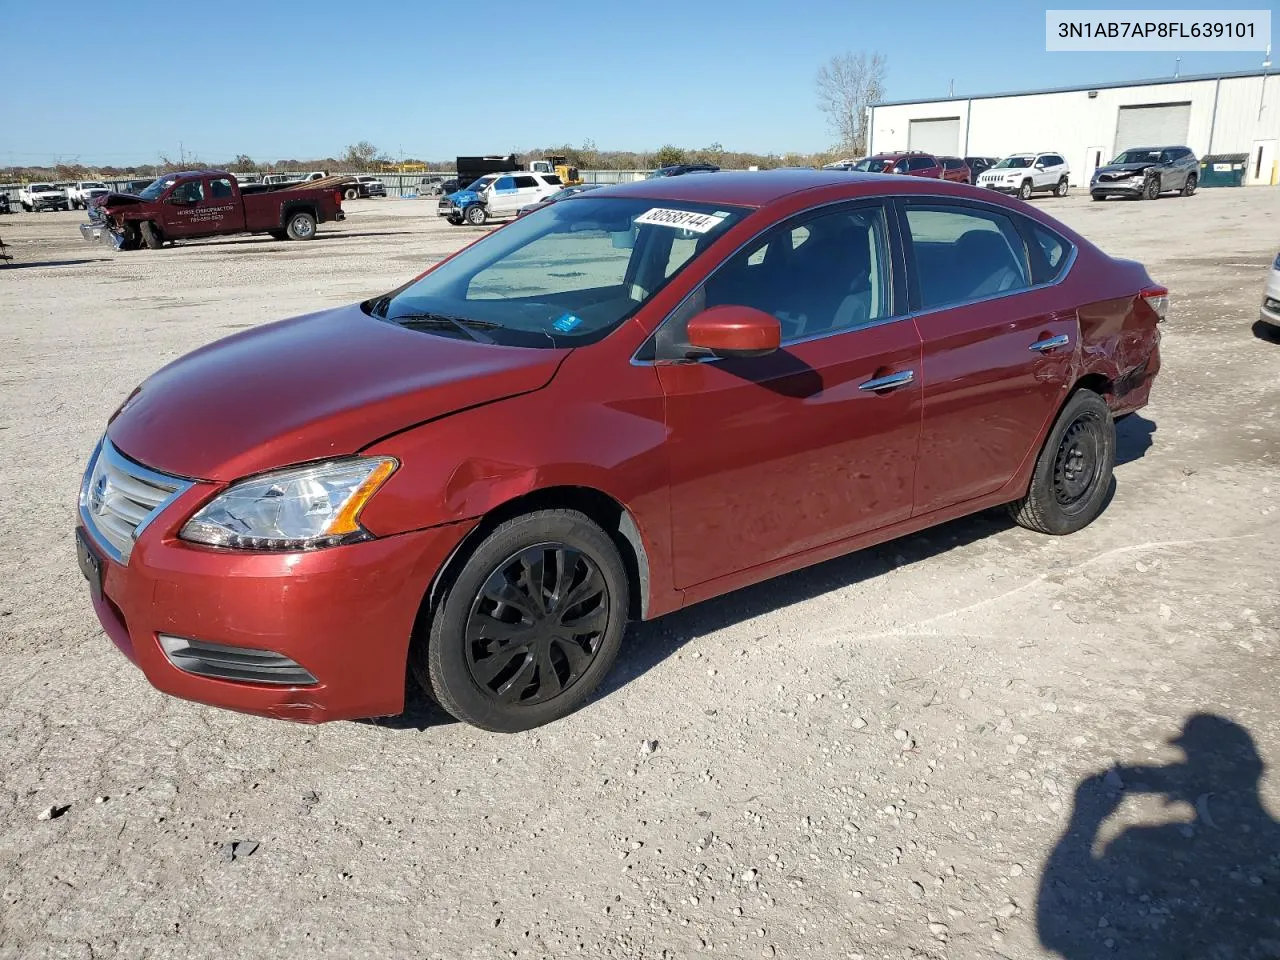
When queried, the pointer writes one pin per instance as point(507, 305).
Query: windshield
point(478, 185)
point(1014, 163)
point(158, 186)
point(93, 185)
point(564, 275)
point(1138, 156)
point(42, 187)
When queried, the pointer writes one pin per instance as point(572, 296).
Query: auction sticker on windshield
point(681, 219)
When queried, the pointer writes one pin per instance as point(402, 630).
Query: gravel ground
point(876, 757)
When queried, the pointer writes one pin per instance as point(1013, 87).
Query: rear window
point(553, 179)
point(921, 163)
point(964, 254)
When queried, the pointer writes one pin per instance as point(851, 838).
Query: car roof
point(762, 187)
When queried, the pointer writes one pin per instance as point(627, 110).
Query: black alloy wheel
point(536, 624)
point(530, 624)
point(1152, 189)
point(1189, 187)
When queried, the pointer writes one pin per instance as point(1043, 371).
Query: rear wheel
point(1061, 189)
point(301, 226)
point(351, 193)
point(1189, 187)
point(1024, 191)
point(1073, 471)
point(475, 215)
point(151, 235)
point(530, 626)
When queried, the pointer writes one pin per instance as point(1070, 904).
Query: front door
point(1262, 163)
point(504, 197)
point(198, 208)
point(996, 357)
point(816, 443)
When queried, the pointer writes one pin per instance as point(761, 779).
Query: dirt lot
point(873, 758)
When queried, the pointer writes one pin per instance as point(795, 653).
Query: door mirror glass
point(735, 331)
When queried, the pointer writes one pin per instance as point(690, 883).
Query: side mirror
point(735, 331)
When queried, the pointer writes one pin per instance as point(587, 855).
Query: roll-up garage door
point(940, 135)
point(1153, 125)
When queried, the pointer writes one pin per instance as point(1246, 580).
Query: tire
point(151, 235)
point(1151, 189)
point(1072, 476)
point(351, 193)
point(1024, 191)
point(475, 215)
point(1061, 189)
point(26, 207)
point(532, 681)
point(301, 226)
point(1189, 188)
point(1098, 196)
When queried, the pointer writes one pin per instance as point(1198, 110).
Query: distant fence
point(398, 184)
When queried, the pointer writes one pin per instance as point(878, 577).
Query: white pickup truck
point(82, 191)
point(42, 196)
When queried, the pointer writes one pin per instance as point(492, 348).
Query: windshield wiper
point(443, 321)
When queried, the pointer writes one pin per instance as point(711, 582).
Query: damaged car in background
point(209, 203)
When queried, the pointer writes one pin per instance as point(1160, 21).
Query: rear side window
point(553, 179)
point(526, 182)
point(921, 163)
point(219, 189)
point(1049, 252)
point(963, 254)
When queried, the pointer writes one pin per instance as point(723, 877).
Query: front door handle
point(1052, 343)
point(890, 382)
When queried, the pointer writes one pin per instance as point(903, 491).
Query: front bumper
point(344, 614)
point(1001, 187)
point(59, 204)
point(1269, 312)
point(1117, 188)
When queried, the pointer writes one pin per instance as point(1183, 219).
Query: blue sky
point(505, 76)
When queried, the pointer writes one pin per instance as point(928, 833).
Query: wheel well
point(289, 210)
point(601, 508)
point(1096, 382)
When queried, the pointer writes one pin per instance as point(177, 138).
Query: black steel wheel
point(1072, 476)
point(529, 627)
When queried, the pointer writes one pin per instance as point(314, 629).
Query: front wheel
point(530, 626)
point(1098, 196)
point(351, 193)
point(1152, 189)
point(1189, 187)
point(1061, 189)
point(1024, 191)
point(151, 235)
point(301, 226)
point(1072, 475)
point(475, 215)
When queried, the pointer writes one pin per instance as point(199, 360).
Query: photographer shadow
point(1206, 888)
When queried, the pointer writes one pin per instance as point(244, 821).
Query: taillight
point(1157, 299)
point(337, 197)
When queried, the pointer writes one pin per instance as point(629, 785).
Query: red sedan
point(617, 406)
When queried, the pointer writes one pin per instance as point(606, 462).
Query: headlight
point(301, 508)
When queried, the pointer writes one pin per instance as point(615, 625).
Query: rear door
point(998, 345)
point(222, 212)
point(924, 167)
point(775, 455)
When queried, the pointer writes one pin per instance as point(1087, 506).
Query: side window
point(553, 179)
point(962, 254)
point(526, 183)
point(220, 189)
point(190, 192)
point(824, 274)
point(505, 183)
point(921, 163)
point(1049, 252)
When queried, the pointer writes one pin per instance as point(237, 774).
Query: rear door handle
point(890, 382)
point(1051, 343)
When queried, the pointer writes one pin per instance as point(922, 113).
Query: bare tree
point(846, 84)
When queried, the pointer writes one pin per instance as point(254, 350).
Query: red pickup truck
point(207, 203)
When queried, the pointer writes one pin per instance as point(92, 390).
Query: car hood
point(1127, 167)
point(323, 385)
point(462, 197)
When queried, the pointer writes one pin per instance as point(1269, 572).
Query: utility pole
point(182, 156)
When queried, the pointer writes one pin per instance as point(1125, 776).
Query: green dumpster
point(1223, 169)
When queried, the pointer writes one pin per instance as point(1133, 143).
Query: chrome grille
point(119, 498)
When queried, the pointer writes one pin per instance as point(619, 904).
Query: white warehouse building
point(1229, 113)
